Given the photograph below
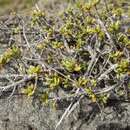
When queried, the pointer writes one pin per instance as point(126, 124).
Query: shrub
point(84, 52)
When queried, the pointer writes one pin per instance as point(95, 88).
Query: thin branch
point(16, 83)
point(107, 72)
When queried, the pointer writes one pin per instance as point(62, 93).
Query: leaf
point(93, 97)
point(29, 90)
point(44, 97)
point(77, 68)
point(34, 69)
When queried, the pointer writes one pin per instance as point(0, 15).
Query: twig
point(16, 83)
point(107, 72)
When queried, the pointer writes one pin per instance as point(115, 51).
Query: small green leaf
point(34, 70)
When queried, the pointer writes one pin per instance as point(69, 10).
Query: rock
point(22, 113)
